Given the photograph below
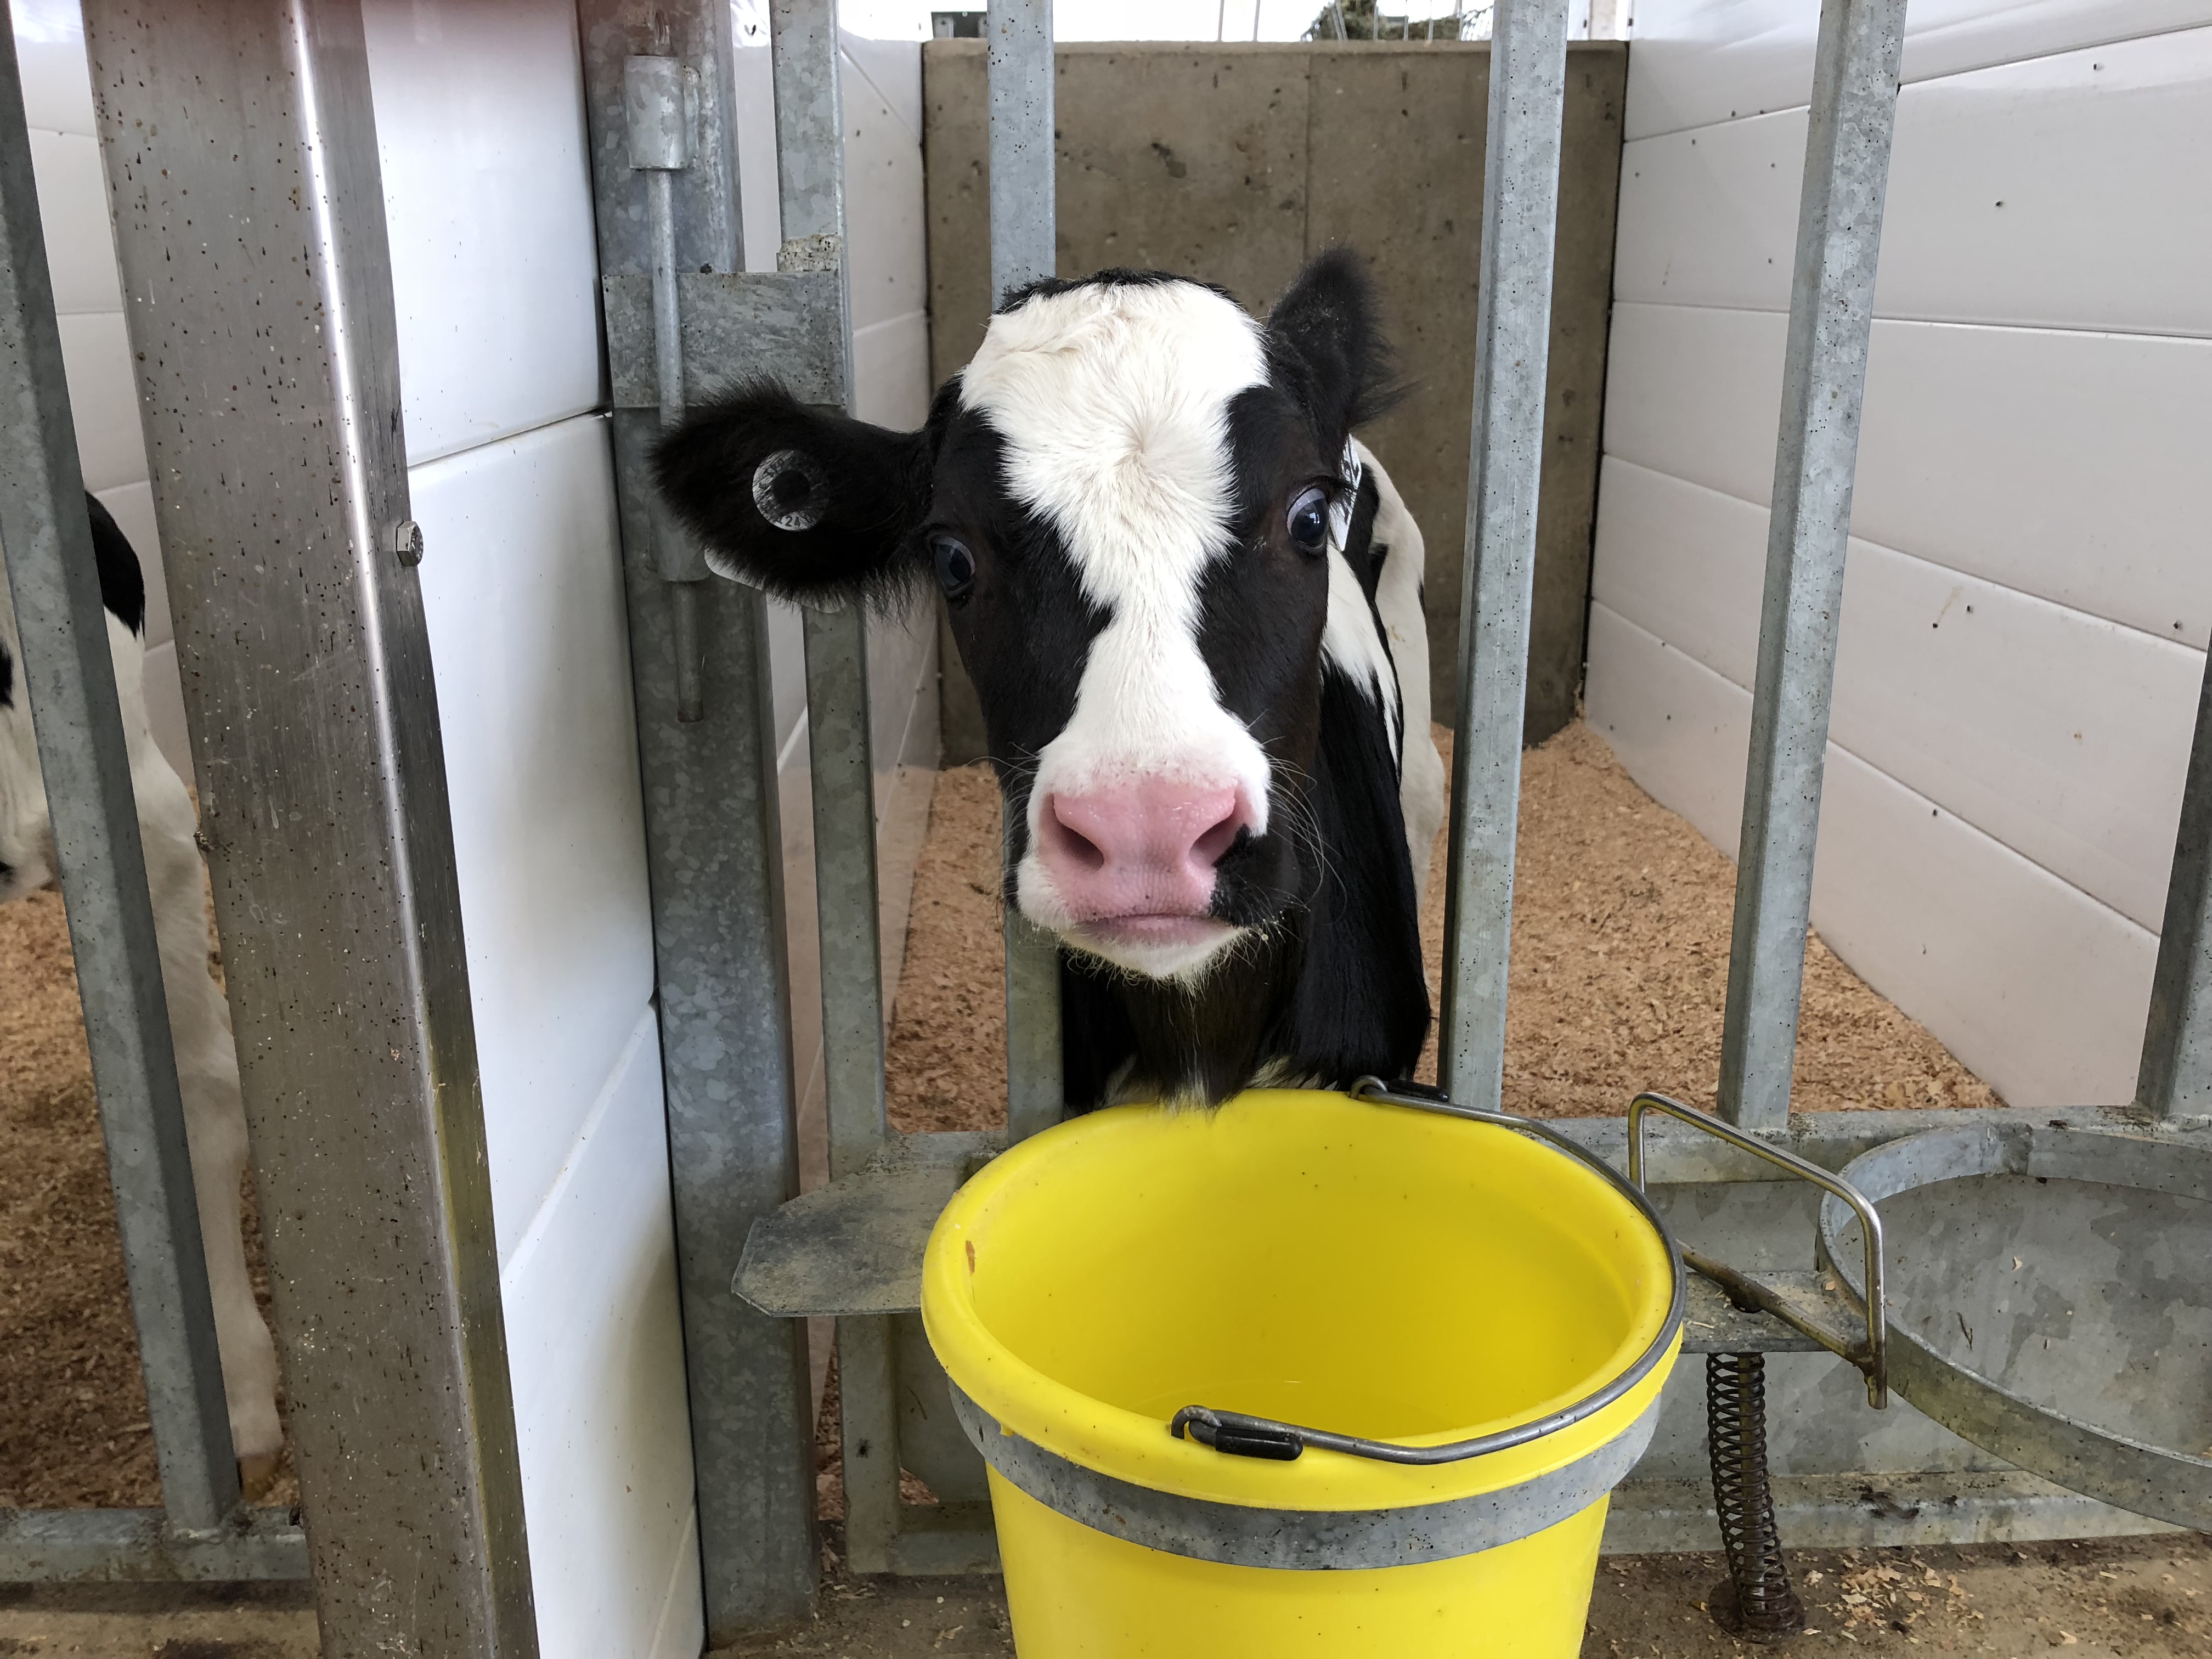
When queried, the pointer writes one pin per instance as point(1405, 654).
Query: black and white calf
point(199, 1019)
point(1191, 605)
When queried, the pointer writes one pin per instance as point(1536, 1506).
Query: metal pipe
point(84, 755)
point(1023, 232)
point(661, 110)
point(1513, 334)
point(1854, 113)
point(248, 209)
point(2175, 1080)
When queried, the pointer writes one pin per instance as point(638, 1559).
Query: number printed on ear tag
point(790, 490)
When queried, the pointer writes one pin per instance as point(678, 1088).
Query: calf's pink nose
point(1147, 848)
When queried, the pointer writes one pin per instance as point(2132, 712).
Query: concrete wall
point(1237, 163)
point(2029, 599)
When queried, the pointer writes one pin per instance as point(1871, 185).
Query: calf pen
point(401, 1290)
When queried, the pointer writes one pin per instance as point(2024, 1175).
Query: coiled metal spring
point(1758, 1602)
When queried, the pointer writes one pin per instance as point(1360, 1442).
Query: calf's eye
point(1308, 520)
point(956, 567)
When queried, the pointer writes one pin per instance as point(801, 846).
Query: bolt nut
point(405, 539)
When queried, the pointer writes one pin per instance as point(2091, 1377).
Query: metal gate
point(853, 1250)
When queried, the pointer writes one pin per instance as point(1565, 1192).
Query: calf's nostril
point(1071, 844)
point(1213, 846)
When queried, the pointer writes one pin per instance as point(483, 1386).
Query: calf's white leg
point(207, 1077)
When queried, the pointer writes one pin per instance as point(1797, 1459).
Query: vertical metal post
point(46, 548)
point(1823, 377)
point(1513, 333)
point(810, 178)
point(249, 215)
point(2176, 1078)
point(1023, 249)
point(713, 842)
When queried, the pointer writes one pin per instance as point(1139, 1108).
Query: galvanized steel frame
point(325, 813)
point(1023, 226)
point(707, 747)
point(1513, 338)
point(68, 680)
point(1854, 113)
point(1846, 171)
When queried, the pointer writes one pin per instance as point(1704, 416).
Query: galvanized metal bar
point(123, 1547)
point(1037, 1092)
point(845, 886)
point(248, 204)
point(714, 846)
point(2175, 1080)
point(1513, 334)
point(1854, 112)
point(84, 755)
point(1023, 229)
point(810, 175)
point(1023, 213)
point(789, 320)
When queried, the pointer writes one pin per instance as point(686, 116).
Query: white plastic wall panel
point(754, 76)
point(2069, 465)
point(596, 1351)
point(2033, 984)
point(73, 213)
point(2015, 193)
point(522, 584)
point(103, 399)
point(1700, 62)
point(480, 129)
point(2062, 735)
point(883, 210)
point(50, 56)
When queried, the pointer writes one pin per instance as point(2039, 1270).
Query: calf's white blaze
point(1113, 402)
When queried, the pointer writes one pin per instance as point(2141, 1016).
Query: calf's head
point(1131, 500)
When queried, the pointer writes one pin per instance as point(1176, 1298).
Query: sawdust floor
point(2128, 1599)
point(73, 1429)
point(2123, 1599)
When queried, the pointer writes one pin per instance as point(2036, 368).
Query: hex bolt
point(405, 539)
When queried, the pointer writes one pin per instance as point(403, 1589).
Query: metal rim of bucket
point(1312, 1540)
point(2102, 1463)
point(1237, 1433)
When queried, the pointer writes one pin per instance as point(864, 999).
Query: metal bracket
point(853, 1247)
point(1864, 1343)
point(734, 324)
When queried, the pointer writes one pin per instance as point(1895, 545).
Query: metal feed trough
point(2105, 1208)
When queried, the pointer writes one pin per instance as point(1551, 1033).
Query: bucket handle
point(1242, 1435)
point(1871, 1356)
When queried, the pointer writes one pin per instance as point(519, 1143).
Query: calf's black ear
point(1324, 340)
point(809, 506)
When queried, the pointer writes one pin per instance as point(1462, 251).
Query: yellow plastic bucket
point(1311, 1271)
